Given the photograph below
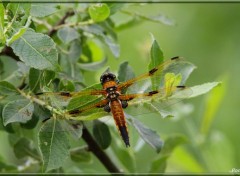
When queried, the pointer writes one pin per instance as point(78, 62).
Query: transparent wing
point(155, 101)
point(72, 100)
point(154, 79)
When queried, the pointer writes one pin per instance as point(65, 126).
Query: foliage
point(51, 48)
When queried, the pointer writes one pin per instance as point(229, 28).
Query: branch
point(62, 21)
point(98, 152)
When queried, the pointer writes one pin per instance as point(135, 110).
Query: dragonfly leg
point(124, 104)
point(107, 108)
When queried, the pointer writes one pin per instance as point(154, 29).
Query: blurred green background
point(206, 34)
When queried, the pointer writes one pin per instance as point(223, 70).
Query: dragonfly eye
point(107, 77)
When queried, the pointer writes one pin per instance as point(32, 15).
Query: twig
point(62, 21)
point(98, 152)
point(74, 24)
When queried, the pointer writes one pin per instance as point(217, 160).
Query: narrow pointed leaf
point(156, 59)
point(148, 135)
point(203, 88)
point(213, 101)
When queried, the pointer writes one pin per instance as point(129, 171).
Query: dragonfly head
point(108, 76)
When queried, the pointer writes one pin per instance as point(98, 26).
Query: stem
point(40, 102)
point(62, 21)
point(98, 152)
point(74, 24)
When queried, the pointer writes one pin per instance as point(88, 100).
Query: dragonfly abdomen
point(120, 121)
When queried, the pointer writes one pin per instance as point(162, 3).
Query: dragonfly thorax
point(112, 93)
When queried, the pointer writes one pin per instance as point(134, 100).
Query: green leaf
point(36, 50)
point(41, 112)
point(7, 89)
point(47, 77)
point(2, 35)
point(170, 82)
point(24, 147)
point(17, 111)
point(34, 80)
point(156, 59)
point(66, 85)
point(101, 134)
point(99, 12)
point(90, 116)
point(156, 55)
point(98, 31)
point(92, 66)
point(157, 18)
point(80, 154)
point(16, 16)
point(9, 68)
point(80, 101)
point(203, 88)
point(115, 7)
point(127, 159)
point(75, 51)
point(19, 32)
point(182, 68)
point(92, 52)
point(159, 164)
point(212, 103)
point(32, 123)
point(53, 144)
point(148, 135)
point(42, 9)
point(125, 72)
point(67, 34)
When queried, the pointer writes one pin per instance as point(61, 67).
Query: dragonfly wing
point(154, 79)
point(155, 101)
point(89, 111)
point(73, 100)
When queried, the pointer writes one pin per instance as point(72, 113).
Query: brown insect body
point(115, 105)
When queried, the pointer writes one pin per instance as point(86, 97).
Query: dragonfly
point(113, 96)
